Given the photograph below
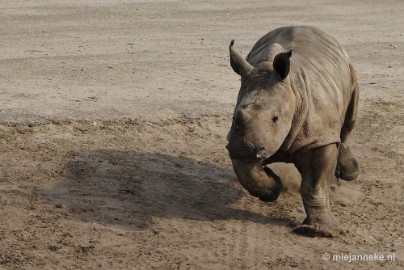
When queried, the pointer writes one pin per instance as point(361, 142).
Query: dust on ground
point(127, 195)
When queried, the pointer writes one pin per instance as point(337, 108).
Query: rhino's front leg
point(260, 181)
point(317, 168)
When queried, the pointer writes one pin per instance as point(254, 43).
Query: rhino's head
point(262, 120)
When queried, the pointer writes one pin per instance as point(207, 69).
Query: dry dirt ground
point(113, 118)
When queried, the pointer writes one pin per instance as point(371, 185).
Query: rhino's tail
point(351, 114)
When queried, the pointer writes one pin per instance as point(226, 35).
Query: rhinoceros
point(297, 103)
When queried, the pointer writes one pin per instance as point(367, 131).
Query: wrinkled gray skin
point(297, 103)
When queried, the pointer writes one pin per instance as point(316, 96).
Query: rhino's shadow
point(129, 189)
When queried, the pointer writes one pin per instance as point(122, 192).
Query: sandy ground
point(113, 117)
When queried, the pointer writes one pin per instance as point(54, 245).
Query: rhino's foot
point(327, 226)
point(317, 231)
point(347, 166)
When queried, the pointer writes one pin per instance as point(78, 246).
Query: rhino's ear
point(237, 62)
point(282, 64)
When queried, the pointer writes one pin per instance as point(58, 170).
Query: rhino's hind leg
point(317, 168)
point(347, 165)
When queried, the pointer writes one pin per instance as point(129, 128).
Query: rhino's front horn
point(238, 63)
point(260, 181)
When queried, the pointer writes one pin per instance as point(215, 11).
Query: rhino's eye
point(275, 119)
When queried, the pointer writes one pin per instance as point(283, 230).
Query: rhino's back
point(313, 51)
point(324, 66)
point(307, 41)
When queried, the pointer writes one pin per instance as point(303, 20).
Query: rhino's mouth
point(258, 154)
